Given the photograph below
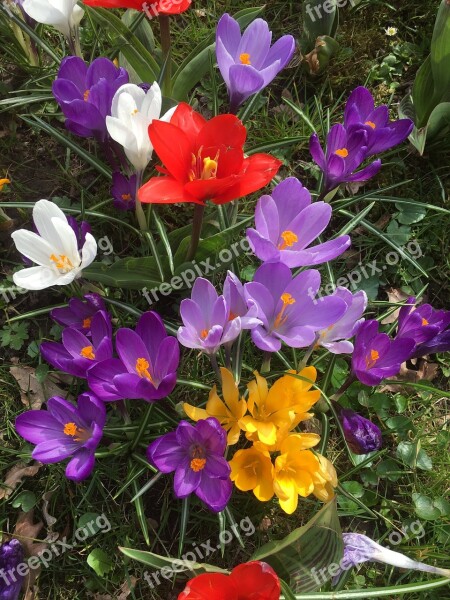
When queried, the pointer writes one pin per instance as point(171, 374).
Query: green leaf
point(422, 99)
point(440, 52)
point(129, 273)
point(409, 213)
point(25, 500)
point(100, 562)
point(42, 372)
point(317, 21)
point(175, 564)
point(439, 121)
point(400, 234)
point(389, 469)
point(14, 335)
point(306, 550)
point(425, 507)
point(91, 520)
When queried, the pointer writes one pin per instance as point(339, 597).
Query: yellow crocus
point(3, 182)
point(325, 480)
point(252, 469)
point(284, 405)
point(227, 411)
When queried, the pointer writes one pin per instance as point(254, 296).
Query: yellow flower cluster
point(268, 418)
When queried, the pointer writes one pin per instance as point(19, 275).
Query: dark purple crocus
point(78, 353)
point(287, 223)
point(146, 367)
point(84, 94)
point(11, 556)
point(427, 326)
point(195, 453)
point(376, 356)
point(80, 230)
point(247, 62)
point(288, 307)
point(382, 134)
point(65, 430)
point(79, 313)
point(361, 435)
point(123, 191)
point(208, 321)
point(346, 151)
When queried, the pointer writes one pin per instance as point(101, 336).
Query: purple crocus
point(426, 325)
point(287, 223)
point(238, 306)
point(346, 151)
point(288, 307)
point(11, 556)
point(195, 454)
point(335, 338)
point(84, 94)
point(80, 230)
point(77, 353)
point(123, 191)
point(376, 356)
point(79, 313)
point(361, 435)
point(382, 134)
point(146, 367)
point(208, 321)
point(247, 62)
point(65, 430)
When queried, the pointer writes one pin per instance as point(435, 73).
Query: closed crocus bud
point(11, 555)
point(361, 435)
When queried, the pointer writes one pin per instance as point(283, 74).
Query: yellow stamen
point(87, 323)
point(342, 152)
point(135, 112)
point(245, 58)
point(88, 352)
point(116, 62)
point(370, 124)
point(126, 197)
point(374, 356)
point(86, 95)
point(197, 464)
point(70, 429)
point(204, 333)
point(142, 366)
point(63, 263)
point(425, 322)
point(209, 168)
point(289, 239)
point(286, 299)
point(203, 168)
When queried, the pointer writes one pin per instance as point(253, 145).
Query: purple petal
point(215, 493)
point(81, 465)
point(255, 42)
point(37, 426)
point(165, 453)
point(186, 480)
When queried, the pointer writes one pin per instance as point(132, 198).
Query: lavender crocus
point(382, 134)
point(84, 94)
point(195, 454)
point(335, 338)
point(376, 356)
point(361, 435)
point(346, 151)
point(288, 307)
point(65, 430)
point(426, 325)
point(123, 190)
point(79, 313)
point(78, 353)
point(208, 321)
point(287, 223)
point(146, 367)
point(11, 555)
point(247, 62)
point(238, 306)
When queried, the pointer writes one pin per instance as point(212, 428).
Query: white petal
point(129, 88)
point(120, 132)
point(151, 106)
point(36, 278)
point(33, 246)
point(44, 212)
point(89, 251)
point(67, 243)
point(169, 114)
point(77, 15)
point(126, 108)
point(43, 12)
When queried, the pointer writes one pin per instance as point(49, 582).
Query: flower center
point(134, 112)
point(374, 356)
point(63, 263)
point(342, 152)
point(204, 333)
point(232, 316)
point(245, 58)
point(204, 168)
point(198, 460)
point(286, 299)
point(425, 322)
point(87, 323)
point(289, 239)
point(86, 95)
point(126, 197)
point(72, 430)
point(142, 366)
point(370, 124)
point(88, 352)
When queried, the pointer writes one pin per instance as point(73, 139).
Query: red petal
point(209, 586)
point(173, 147)
point(165, 190)
point(224, 129)
point(189, 121)
point(210, 188)
point(172, 7)
point(256, 581)
point(258, 171)
point(136, 4)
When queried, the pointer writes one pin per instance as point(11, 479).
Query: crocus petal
point(81, 465)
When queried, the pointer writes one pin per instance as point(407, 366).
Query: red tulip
point(204, 160)
point(153, 8)
point(249, 581)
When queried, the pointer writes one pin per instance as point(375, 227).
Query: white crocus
point(54, 249)
point(132, 111)
point(64, 15)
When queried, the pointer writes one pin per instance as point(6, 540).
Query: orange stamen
point(370, 124)
point(63, 263)
point(245, 58)
point(374, 356)
point(342, 152)
point(425, 322)
point(289, 239)
point(126, 197)
point(286, 299)
point(86, 95)
point(88, 352)
point(204, 333)
point(197, 464)
point(87, 323)
point(142, 366)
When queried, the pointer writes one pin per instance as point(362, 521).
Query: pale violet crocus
point(54, 249)
point(132, 111)
point(63, 15)
point(335, 338)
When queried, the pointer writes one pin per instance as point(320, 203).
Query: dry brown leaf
point(32, 393)
point(48, 518)
point(15, 476)
point(123, 593)
point(394, 295)
point(426, 372)
point(26, 531)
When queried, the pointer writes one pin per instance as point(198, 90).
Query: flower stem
point(302, 364)
point(140, 215)
point(166, 47)
point(265, 367)
point(196, 231)
point(347, 383)
point(215, 366)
